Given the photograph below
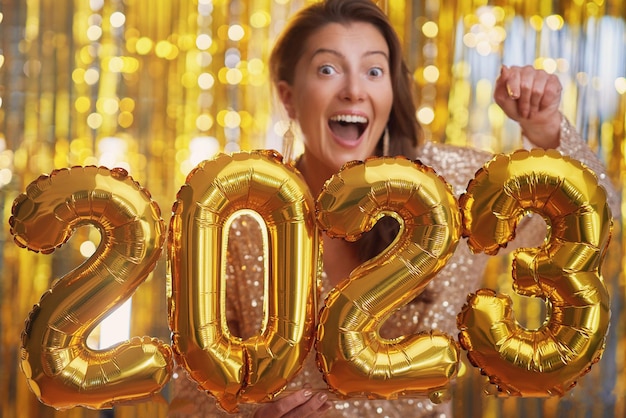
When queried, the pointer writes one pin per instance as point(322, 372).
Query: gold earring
point(288, 139)
point(386, 142)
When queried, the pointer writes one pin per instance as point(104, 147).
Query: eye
point(326, 69)
point(375, 72)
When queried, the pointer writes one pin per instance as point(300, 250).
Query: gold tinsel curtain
point(156, 86)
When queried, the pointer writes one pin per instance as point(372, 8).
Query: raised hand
point(531, 97)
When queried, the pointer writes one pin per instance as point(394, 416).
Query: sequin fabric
point(449, 289)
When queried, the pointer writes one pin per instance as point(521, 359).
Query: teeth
point(349, 119)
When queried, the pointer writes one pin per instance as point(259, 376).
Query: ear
point(285, 93)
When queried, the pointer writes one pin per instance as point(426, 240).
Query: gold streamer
point(150, 85)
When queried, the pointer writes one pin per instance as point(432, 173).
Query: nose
point(353, 89)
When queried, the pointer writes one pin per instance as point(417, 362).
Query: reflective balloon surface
point(257, 369)
point(565, 272)
point(60, 368)
point(354, 359)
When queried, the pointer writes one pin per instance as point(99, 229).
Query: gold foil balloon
point(257, 369)
point(354, 359)
point(60, 368)
point(564, 271)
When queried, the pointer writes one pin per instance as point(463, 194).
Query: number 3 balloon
point(60, 368)
point(565, 272)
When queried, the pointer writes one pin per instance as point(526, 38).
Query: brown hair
point(404, 130)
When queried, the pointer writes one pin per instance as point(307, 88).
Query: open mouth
point(348, 128)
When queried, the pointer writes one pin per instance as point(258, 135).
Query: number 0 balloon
point(61, 370)
point(257, 369)
point(565, 272)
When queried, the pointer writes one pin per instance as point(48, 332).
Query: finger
point(317, 404)
point(526, 82)
point(326, 406)
point(512, 82)
point(552, 94)
point(283, 406)
point(537, 92)
point(502, 93)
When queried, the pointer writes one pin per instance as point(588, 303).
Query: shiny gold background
point(155, 86)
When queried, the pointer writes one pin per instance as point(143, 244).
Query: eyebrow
point(336, 53)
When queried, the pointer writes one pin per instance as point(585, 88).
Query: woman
point(339, 73)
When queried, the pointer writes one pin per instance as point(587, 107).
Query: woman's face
point(341, 94)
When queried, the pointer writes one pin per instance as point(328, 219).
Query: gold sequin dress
point(448, 290)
